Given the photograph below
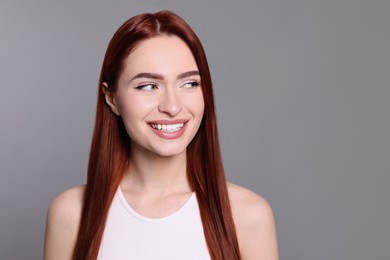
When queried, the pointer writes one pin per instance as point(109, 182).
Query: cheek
point(196, 104)
point(132, 107)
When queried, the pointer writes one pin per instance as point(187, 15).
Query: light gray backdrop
point(302, 92)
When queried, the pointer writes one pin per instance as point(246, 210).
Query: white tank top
point(129, 235)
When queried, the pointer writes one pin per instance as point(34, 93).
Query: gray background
point(302, 92)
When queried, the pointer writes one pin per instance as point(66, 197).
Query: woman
point(156, 187)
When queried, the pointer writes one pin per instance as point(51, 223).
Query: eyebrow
point(149, 75)
point(188, 74)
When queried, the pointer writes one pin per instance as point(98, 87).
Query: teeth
point(168, 128)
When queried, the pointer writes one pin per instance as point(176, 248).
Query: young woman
point(156, 187)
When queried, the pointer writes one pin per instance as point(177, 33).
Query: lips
point(168, 129)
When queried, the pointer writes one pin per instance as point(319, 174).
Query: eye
point(191, 84)
point(147, 86)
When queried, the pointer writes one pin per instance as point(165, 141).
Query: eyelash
point(142, 86)
point(193, 84)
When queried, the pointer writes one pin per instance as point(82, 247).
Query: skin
point(157, 173)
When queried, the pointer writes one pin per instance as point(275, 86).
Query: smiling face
point(159, 96)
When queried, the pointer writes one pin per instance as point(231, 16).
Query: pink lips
point(169, 135)
point(168, 122)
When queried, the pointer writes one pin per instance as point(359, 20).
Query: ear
point(110, 99)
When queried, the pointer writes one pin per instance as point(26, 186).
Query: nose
point(170, 103)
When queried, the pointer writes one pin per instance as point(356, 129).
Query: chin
point(169, 152)
point(168, 149)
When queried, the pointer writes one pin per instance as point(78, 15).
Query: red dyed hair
point(110, 147)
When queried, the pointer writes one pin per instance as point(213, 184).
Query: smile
point(168, 128)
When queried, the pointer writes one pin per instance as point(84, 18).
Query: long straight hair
point(110, 148)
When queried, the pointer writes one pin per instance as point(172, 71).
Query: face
point(159, 96)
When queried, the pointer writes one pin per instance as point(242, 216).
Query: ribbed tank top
point(129, 235)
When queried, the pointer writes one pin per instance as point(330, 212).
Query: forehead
point(165, 55)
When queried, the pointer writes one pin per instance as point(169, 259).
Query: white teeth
point(168, 128)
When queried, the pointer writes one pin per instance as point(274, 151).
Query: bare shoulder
point(251, 205)
point(255, 224)
point(67, 205)
point(62, 223)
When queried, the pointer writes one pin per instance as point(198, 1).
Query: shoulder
point(62, 223)
point(244, 200)
point(68, 202)
point(255, 225)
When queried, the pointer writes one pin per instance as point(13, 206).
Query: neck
point(149, 173)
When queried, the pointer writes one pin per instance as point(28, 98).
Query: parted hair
point(110, 148)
